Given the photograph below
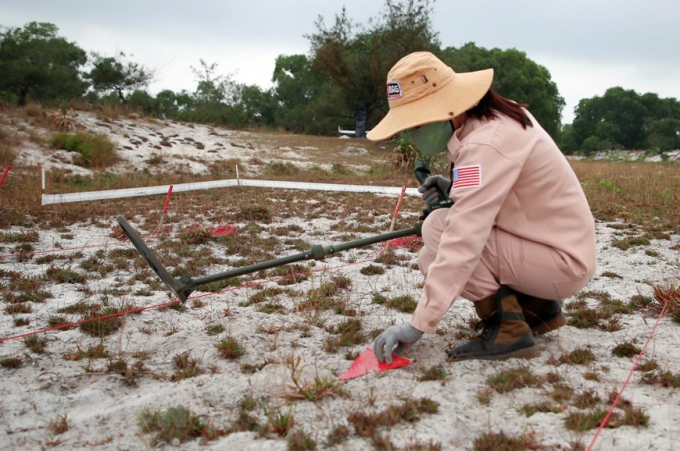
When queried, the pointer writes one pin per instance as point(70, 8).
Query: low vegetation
point(302, 307)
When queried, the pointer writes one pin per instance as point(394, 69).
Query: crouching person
point(520, 235)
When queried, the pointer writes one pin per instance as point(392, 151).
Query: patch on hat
point(394, 90)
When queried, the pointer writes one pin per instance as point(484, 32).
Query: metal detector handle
point(422, 172)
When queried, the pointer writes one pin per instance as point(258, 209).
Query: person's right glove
point(400, 336)
point(429, 188)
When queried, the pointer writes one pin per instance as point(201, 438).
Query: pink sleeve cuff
point(425, 320)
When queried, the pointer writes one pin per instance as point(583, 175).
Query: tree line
point(339, 82)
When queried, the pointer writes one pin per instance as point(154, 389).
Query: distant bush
point(95, 150)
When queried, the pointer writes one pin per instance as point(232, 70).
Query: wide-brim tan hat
point(421, 89)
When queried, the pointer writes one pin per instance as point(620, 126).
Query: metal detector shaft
point(183, 286)
point(317, 252)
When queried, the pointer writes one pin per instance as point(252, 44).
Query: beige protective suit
point(520, 219)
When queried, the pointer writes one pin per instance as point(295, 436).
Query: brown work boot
point(505, 333)
point(542, 315)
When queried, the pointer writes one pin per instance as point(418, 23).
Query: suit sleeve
point(467, 228)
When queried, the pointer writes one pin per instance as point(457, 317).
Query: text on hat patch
point(394, 90)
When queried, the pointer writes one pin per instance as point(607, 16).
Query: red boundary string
point(77, 323)
point(630, 375)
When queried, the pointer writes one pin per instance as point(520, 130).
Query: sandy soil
point(103, 410)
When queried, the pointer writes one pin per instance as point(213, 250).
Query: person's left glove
point(400, 336)
point(433, 186)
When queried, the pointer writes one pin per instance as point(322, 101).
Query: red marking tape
point(2, 180)
point(167, 200)
point(401, 198)
point(224, 230)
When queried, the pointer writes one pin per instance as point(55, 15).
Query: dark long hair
point(493, 104)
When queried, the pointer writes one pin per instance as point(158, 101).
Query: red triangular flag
point(367, 362)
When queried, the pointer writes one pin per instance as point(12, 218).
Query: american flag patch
point(467, 176)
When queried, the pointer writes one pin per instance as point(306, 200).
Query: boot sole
point(547, 326)
point(524, 353)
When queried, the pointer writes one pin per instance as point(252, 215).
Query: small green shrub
point(626, 350)
point(185, 366)
point(254, 212)
point(230, 348)
point(497, 441)
point(512, 379)
point(36, 344)
point(104, 326)
point(582, 421)
point(372, 270)
point(300, 441)
point(92, 352)
point(175, 423)
point(11, 362)
point(627, 243)
point(94, 150)
point(579, 356)
point(214, 329)
point(434, 373)
point(349, 334)
point(405, 303)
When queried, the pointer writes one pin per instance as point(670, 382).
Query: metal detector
point(186, 284)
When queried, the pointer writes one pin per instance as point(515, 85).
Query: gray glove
point(429, 188)
point(401, 336)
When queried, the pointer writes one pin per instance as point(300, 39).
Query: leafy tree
point(215, 95)
point(258, 107)
point(567, 142)
point(357, 59)
point(307, 101)
point(113, 74)
point(664, 134)
point(172, 105)
point(516, 77)
point(624, 119)
point(144, 102)
point(35, 62)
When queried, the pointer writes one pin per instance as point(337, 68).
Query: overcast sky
point(587, 45)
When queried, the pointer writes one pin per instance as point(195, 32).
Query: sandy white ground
point(103, 412)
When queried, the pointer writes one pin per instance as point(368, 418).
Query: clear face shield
point(431, 139)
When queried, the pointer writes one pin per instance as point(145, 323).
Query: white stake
point(238, 179)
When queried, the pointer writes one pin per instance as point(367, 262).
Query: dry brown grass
point(635, 192)
point(9, 143)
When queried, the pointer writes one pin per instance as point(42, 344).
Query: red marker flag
point(367, 363)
